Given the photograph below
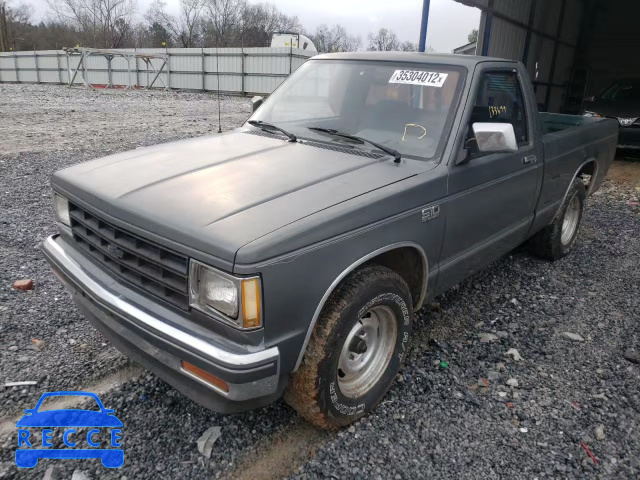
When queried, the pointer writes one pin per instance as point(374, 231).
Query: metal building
point(572, 48)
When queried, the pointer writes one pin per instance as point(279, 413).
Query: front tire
point(558, 239)
point(357, 347)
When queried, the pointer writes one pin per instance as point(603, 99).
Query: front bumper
point(629, 138)
point(155, 337)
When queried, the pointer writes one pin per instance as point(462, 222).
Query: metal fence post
point(203, 70)
point(137, 73)
point(58, 64)
point(168, 85)
point(109, 75)
point(15, 64)
point(35, 60)
point(242, 55)
point(68, 69)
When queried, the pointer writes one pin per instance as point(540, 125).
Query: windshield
point(626, 90)
point(58, 401)
point(406, 107)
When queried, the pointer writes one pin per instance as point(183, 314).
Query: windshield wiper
point(394, 153)
point(270, 127)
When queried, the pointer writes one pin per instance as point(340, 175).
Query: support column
point(486, 38)
point(423, 25)
point(527, 40)
point(554, 57)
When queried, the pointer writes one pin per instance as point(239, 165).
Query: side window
point(500, 99)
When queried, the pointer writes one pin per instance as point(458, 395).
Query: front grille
point(144, 264)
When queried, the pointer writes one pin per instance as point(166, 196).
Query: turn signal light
point(251, 303)
point(204, 375)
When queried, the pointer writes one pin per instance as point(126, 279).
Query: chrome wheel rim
point(367, 351)
point(570, 221)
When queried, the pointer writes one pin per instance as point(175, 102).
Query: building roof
point(468, 46)
point(468, 61)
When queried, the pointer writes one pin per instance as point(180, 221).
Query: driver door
point(491, 197)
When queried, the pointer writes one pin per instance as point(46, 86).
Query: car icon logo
point(67, 422)
point(626, 122)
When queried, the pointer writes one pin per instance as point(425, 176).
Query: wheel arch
point(589, 167)
point(397, 257)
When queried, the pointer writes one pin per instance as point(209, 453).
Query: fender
point(352, 267)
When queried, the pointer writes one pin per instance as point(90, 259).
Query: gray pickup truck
point(289, 257)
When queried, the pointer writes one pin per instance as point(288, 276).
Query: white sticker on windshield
point(417, 77)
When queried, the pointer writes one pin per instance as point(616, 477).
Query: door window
point(500, 100)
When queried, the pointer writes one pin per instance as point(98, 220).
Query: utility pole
point(423, 27)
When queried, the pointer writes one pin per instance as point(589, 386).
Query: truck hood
point(217, 193)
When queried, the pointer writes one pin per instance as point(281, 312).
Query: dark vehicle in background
point(620, 101)
point(288, 257)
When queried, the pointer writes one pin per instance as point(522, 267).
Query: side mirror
point(590, 99)
point(495, 137)
point(256, 102)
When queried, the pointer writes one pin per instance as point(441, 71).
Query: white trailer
point(293, 40)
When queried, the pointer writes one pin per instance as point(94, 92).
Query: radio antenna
point(218, 80)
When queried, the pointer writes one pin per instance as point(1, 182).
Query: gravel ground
point(458, 419)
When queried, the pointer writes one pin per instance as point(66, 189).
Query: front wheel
point(557, 239)
point(357, 347)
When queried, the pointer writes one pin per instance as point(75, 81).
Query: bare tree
point(384, 41)
point(15, 26)
point(184, 29)
point(409, 46)
point(259, 21)
point(235, 23)
point(109, 24)
point(189, 22)
point(102, 23)
point(223, 20)
point(334, 39)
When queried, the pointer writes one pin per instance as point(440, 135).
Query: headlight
point(61, 208)
point(214, 292)
point(591, 114)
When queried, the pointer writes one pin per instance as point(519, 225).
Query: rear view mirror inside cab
point(495, 137)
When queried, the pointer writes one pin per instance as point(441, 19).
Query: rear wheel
point(557, 239)
point(356, 349)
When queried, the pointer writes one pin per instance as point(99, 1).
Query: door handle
point(529, 159)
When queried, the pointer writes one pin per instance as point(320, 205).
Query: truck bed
point(556, 122)
point(566, 149)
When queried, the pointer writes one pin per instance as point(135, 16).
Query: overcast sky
point(449, 21)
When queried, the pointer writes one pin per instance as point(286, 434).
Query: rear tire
point(358, 345)
point(558, 239)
